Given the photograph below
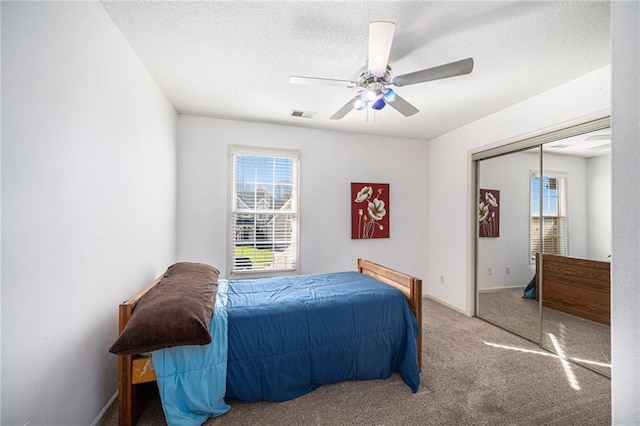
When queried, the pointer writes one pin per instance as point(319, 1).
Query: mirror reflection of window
point(553, 193)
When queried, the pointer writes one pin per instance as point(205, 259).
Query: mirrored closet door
point(503, 265)
point(543, 241)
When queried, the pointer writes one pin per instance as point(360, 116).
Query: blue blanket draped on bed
point(191, 379)
point(289, 335)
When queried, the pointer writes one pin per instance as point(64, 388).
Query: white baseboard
point(98, 420)
point(448, 305)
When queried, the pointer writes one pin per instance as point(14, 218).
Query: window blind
point(548, 229)
point(264, 212)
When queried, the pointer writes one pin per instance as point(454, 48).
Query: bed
point(137, 373)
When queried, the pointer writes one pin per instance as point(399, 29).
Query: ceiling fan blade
point(380, 40)
point(314, 81)
point(343, 111)
point(451, 69)
point(402, 106)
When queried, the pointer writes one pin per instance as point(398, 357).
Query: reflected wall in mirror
point(555, 198)
point(503, 267)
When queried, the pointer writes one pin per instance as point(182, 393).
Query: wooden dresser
point(576, 286)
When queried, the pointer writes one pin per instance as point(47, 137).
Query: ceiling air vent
point(303, 114)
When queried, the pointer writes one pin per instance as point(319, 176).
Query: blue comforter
point(288, 335)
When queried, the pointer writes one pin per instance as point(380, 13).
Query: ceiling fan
point(376, 77)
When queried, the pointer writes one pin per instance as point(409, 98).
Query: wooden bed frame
point(579, 287)
point(136, 376)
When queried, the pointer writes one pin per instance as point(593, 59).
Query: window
point(264, 211)
point(554, 214)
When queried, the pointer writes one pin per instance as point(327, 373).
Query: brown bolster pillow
point(176, 311)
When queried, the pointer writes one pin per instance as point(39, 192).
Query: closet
point(543, 241)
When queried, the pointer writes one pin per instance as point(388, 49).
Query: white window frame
point(233, 151)
point(562, 218)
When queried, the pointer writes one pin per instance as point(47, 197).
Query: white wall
point(599, 207)
point(451, 224)
point(88, 198)
point(625, 291)
point(510, 174)
point(330, 161)
point(0, 226)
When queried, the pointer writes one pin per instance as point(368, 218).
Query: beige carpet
point(587, 342)
point(473, 374)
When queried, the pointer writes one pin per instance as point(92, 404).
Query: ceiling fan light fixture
point(370, 95)
point(359, 104)
point(389, 95)
point(379, 104)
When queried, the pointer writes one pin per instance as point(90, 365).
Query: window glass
point(553, 237)
point(264, 212)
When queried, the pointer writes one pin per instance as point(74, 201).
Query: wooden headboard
point(133, 393)
point(580, 287)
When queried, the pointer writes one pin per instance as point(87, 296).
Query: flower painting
point(369, 210)
point(489, 213)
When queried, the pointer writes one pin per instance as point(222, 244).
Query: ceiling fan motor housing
point(368, 80)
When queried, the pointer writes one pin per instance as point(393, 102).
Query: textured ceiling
point(233, 59)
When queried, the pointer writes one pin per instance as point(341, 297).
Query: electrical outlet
point(507, 270)
point(489, 271)
point(441, 279)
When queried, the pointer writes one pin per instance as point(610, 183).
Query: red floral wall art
point(489, 213)
point(369, 210)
